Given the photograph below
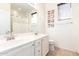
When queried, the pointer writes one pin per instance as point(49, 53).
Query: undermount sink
point(3, 39)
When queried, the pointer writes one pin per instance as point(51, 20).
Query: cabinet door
point(45, 46)
point(25, 50)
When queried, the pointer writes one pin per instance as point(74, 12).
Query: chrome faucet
point(10, 35)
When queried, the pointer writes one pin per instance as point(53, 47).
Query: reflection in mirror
point(22, 18)
point(34, 22)
point(5, 21)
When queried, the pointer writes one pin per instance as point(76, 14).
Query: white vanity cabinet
point(24, 50)
point(38, 47)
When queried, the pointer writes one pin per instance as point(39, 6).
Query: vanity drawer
point(38, 51)
point(37, 43)
point(38, 47)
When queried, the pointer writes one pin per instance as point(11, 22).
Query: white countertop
point(20, 39)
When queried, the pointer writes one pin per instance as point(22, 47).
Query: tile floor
point(62, 52)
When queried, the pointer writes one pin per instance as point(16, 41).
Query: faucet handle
point(8, 38)
point(7, 32)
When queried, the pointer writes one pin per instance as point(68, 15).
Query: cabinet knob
point(33, 44)
point(38, 50)
point(38, 42)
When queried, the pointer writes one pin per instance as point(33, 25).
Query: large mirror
point(17, 18)
point(23, 18)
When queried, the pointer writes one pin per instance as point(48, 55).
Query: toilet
point(51, 45)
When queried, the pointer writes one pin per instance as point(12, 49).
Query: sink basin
point(3, 39)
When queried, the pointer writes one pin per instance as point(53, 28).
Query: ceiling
point(22, 8)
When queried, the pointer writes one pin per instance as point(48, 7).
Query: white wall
point(64, 33)
point(4, 18)
point(41, 17)
point(75, 16)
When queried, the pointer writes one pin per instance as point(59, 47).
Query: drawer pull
point(33, 44)
point(38, 50)
point(38, 42)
